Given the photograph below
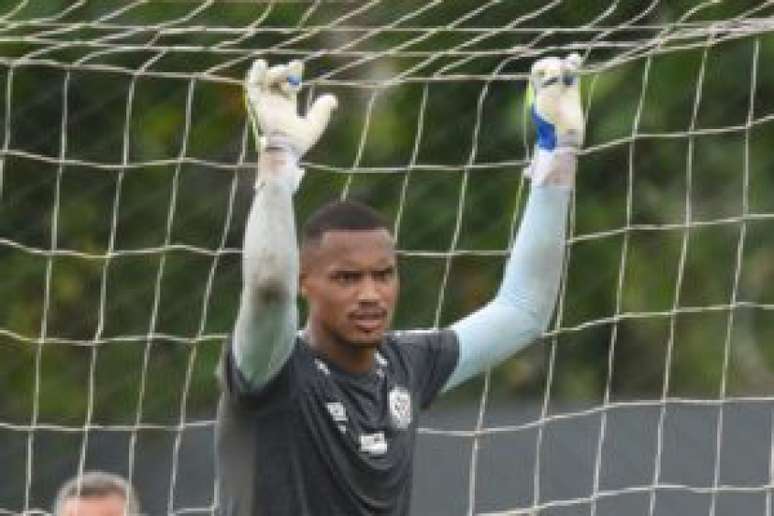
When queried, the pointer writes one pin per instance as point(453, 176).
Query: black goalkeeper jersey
point(318, 441)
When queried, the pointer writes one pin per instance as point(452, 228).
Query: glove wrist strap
point(279, 158)
point(556, 167)
point(568, 140)
point(280, 142)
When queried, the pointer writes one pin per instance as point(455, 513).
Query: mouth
point(369, 322)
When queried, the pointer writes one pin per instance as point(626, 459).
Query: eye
point(385, 275)
point(346, 277)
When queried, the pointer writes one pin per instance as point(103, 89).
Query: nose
point(369, 292)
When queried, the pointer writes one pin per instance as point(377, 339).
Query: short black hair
point(342, 216)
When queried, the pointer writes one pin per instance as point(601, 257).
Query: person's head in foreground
point(348, 278)
point(96, 494)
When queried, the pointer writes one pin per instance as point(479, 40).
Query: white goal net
point(125, 179)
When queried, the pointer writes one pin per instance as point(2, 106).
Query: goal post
point(126, 171)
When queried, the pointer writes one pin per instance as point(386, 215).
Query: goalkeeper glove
point(553, 98)
point(270, 96)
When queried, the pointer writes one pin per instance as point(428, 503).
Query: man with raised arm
point(322, 421)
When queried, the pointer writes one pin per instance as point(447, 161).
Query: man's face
point(108, 505)
point(350, 281)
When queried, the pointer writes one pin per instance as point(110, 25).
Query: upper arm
point(433, 356)
point(522, 309)
point(490, 335)
point(266, 324)
point(264, 334)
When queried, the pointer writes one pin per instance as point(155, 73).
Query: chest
point(372, 415)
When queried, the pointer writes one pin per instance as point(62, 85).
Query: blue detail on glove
point(294, 80)
point(546, 132)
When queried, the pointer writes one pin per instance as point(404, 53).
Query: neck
point(347, 356)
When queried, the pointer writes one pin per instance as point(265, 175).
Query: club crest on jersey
point(400, 407)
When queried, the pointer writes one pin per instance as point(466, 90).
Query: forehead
point(362, 248)
point(108, 505)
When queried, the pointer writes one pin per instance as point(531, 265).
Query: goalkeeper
point(322, 421)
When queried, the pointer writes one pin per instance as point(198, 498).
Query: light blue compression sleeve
point(522, 309)
point(265, 329)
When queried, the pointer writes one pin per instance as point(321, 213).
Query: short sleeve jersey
point(318, 441)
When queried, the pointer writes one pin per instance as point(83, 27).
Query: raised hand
point(555, 106)
point(553, 98)
point(270, 95)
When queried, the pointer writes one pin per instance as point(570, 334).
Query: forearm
point(267, 321)
point(522, 309)
point(532, 274)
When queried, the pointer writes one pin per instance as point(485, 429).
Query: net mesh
point(125, 179)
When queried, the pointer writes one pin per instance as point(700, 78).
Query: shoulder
point(283, 385)
point(420, 338)
point(421, 345)
point(429, 357)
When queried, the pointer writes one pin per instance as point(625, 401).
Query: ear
point(302, 277)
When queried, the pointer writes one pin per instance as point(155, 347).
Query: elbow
point(270, 287)
point(542, 318)
point(539, 329)
point(272, 291)
point(535, 322)
point(270, 280)
point(535, 310)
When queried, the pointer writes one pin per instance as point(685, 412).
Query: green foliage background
point(67, 356)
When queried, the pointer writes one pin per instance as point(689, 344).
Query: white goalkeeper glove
point(270, 95)
point(553, 98)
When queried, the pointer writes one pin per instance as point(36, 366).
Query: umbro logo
point(337, 411)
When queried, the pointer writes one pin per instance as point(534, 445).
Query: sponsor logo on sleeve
point(373, 444)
